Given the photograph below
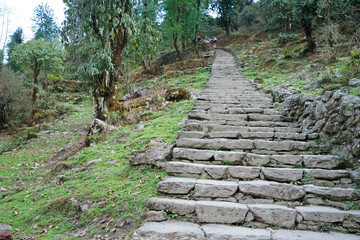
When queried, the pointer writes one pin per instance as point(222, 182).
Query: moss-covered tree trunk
point(307, 26)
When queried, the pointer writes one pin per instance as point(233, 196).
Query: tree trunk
point(227, 30)
point(35, 88)
point(33, 95)
point(175, 38)
point(307, 26)
point(98, 105)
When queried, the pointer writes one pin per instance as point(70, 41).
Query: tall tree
point(173, 9)
point(182, 21)
point(101, 29)
point(45, 26)
point(15, 39)
point(278, 13)
point(147, 37)
point(226, 12)
point(306, 11)
point(35, 56)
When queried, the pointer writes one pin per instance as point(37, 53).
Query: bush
point(45, 104)
point(62, 109)
point(285, 38)
point(15, 103)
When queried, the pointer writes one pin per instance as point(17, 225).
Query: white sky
point(22, 11)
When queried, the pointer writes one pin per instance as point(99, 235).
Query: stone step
point(251, 159)
point(208, 105)
point(269, 214)
point(204, 127)
point(242, 123)
point(318, 177)
point(244, 144)
point(229, 100)
point(191, 231)
point(202, 115)
point(248, 135)
point(231, 190)
point(225, 110)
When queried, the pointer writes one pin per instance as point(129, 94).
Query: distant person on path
point(198, 38)
point(213, 42)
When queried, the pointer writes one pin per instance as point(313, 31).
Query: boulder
point(154, 156)
point(354, 82)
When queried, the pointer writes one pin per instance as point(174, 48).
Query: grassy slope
point(281, 64)
point(112, 191)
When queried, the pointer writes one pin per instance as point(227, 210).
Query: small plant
point(298, 182)
point(307, 178)
point(351, 205)
point(305, 201)
point(299, 165)
point(248, 225)
point(285, 38)
point(171, 215)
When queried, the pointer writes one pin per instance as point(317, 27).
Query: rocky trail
point(241, 170)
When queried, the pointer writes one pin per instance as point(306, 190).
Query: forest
point(77, 100)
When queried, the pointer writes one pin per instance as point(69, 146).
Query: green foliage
point(146, 39)
point(36, 56)
point(112, 188)
point(100, 31)
point(14, 100)
point(226, 13)
point(282, 8)
point(285, 38)
point(196, 80)
point(44, 23)
point(15, 39)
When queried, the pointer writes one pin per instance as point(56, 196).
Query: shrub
point(62, 109)
point(285, 38)
point(15, 103)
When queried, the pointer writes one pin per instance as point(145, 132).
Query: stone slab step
point(202, 115)
point(309, 235)
point(248, 135)
point(191, 231)
point(237, 213)
point(204, 127)
point(169, 230)
point(243, 123)
point(226, 110)
point(216, 232)
point(208, 105)
point(250, 159)
point(244, 144)
point(212, 189)
point(286, 175)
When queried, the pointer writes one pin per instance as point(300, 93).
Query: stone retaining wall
point(334, 115)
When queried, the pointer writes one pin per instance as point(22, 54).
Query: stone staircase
point(241, 170)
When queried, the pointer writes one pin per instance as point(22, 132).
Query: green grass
point(40, 194)
point(195, 80)
point(266, 60)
